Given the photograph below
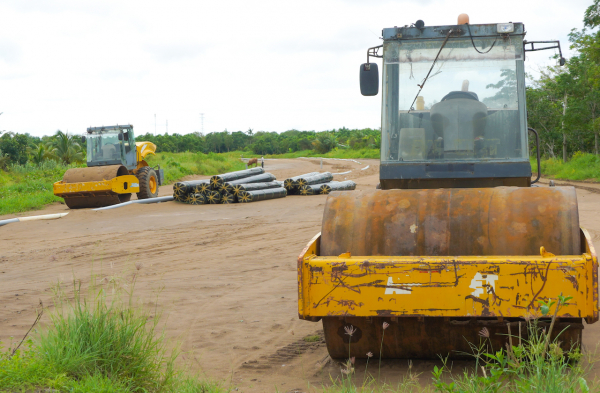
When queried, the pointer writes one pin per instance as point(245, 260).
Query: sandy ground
point(224, 276)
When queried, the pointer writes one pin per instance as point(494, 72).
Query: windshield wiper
point(431, 69)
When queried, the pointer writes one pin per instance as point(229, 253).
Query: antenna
point(155, 124)
point(202, 123)
point(167, 126)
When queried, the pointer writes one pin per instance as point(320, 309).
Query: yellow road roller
point(459, 237)
point(116, 168)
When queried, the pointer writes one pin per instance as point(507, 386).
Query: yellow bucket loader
point(458, 238)
point(116, 169)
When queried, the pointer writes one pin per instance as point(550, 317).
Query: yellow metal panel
point(475, 286)
point(121, 185)
point(143, 149)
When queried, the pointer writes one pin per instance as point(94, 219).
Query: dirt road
point(225, 276)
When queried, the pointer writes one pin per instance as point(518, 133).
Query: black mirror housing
point(83, 139)
point(369, 79)
point(562, 61)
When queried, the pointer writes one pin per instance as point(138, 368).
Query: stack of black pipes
point(248, 185)
point(316, 183)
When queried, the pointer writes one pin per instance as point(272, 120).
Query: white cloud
point(268, 65)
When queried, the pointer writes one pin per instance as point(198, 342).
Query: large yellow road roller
point(116, 169)
point(458, 237)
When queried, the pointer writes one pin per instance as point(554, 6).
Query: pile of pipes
point(315, 183)
point(245, 186)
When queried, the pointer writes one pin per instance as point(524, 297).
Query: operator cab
point(114, 145)
point(453, 106)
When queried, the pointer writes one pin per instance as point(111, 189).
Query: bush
point(107, 338)
point(582, 166)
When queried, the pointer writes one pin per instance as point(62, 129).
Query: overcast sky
point(265, 65)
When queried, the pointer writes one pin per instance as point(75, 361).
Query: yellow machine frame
point(475, 286)
point(126, 184)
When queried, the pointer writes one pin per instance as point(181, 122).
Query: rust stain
point(492, 270)
point(351, 304)
point(386, 313)
point(573, 281)
point(541, 289)
point(485, 303)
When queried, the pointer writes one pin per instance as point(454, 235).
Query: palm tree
point(66, 149)
point(41, 152)
point(324, 142)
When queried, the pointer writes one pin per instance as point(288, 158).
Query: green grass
point(178, 165)
point(535, 364)
point(582, 166)
point(29, 187)
point(101, 341)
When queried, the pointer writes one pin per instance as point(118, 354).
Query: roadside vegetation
point(178, 165)
point(29, 166)
point(581, 167)
point(564, 103)
point(99, 340)
point(535, 364)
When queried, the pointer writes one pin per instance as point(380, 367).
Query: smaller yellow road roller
point(116, 169)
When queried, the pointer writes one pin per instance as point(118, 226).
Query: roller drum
point(444, 222)
point(432, 337)
point(92, 174)
point(452, 222)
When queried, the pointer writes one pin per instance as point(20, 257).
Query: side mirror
point(120, 136)
point(369, 79)
point(83, 139)
point(562, 61)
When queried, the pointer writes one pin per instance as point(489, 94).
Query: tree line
point(564, 103)
point(20, 149)
point(67, 148)
point(263, 142)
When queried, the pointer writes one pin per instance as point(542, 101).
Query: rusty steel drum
point(432, 337)
point(444, 222)
point(94, 199)
point(452, 222)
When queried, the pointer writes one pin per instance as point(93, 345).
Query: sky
point(264, 65)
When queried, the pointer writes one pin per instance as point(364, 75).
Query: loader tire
point(148, 183)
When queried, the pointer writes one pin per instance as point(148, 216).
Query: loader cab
point(453, 106)
point(114, 145)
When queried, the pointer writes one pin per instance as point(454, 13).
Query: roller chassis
point(438, 305)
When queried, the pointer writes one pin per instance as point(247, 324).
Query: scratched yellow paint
point(500, 286)
point(116, 185)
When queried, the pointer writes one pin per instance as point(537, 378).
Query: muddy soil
point(224, 277)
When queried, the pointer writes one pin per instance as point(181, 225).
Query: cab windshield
point(470, 107)
point(104, 146)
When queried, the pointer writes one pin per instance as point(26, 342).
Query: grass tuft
point(100, 341)
point(102, 335)
point(535, 364)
